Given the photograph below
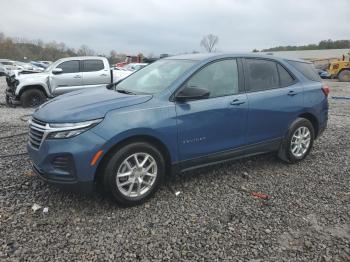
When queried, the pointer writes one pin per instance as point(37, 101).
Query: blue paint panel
point(187, 130)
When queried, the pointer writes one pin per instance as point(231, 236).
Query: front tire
point(298, 141)
point(134, 173)
point(32, 98)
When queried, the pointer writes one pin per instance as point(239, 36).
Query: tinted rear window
point(262, 74)
point(93, 65)
point(308, 70)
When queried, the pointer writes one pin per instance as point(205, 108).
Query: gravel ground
point(307, 217)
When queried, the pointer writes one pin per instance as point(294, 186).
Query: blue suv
point(174, 115)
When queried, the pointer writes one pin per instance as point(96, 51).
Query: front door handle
point(77, 76)
point(236, 102)
point(292, 93)
point(103, 75)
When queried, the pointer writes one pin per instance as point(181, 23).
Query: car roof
point(6, 60)
point(212, 56)
point(82, 58)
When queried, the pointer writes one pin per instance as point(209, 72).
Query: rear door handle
point(236, 102)
point(103, 75)
point(292, 93)
point(77, 76)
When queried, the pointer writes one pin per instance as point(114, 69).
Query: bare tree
point(209, 42)
point(2, 37)
point(84, 50)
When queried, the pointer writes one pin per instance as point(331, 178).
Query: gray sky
point(176, 26)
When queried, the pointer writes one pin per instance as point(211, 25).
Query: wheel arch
point(136, 138)
point(27, 87)
point(314, 121)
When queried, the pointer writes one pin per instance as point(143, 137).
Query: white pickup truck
point(62, 76)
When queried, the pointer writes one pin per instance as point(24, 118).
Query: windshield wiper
point(124, 91)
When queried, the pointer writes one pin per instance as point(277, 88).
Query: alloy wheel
point(136, 175)
point(300, 141)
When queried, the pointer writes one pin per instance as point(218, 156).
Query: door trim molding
point(228, 155)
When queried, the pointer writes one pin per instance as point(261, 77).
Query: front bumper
point(66, 162)
point(11, 98)
point(73, 186)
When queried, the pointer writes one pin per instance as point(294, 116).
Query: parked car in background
point(323, 74)
point(14, 67)
point(10, 65)
point(38, 64)
point(64, 75)
point(121, 72)
point(45, 62)
point(3, 71)
point(26, 68)
point(177, 114)
point(135, 66)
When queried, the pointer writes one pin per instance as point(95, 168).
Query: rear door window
point(307, 69)
point(93, 65)
point(69, 67)
point(261, 75)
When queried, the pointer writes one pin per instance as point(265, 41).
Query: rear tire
point(344, 76)
point(131, 182)
point(32, 98)
point(298, 141)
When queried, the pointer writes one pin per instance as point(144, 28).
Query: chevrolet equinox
point(174, 115)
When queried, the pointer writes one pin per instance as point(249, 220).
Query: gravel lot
point(307, 217)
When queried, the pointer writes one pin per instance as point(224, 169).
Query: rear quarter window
point(286, 79)
point(307, 69)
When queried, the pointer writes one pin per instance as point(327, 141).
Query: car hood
point(20, 76)
point(85, 105)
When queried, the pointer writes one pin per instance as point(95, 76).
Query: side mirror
point(110, 86)
point(57, 71)
point(113, 85)
point(192, 93)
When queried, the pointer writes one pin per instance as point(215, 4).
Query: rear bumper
point(323, 120)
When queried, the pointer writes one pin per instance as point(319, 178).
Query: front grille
point(38, 122)
point(36, 132)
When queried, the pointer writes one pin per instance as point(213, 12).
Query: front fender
point(27, 83)
point(157, 123)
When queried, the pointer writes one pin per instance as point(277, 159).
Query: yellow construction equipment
point(340, 70)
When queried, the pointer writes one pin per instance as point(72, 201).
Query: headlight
point(67, 130)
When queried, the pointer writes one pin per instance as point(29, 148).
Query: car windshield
point(156, 77)
point(51, 66)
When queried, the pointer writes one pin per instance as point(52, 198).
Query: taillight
point(326, 90)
